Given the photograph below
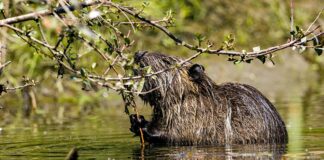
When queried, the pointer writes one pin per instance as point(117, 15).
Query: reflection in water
point(298, 115)
point(211, 152)
point(295, 125)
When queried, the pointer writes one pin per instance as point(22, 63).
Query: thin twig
point(32, 38)
point(21, 87)
point(291, 19)
point(4, 65)
point(317, 17)
point(126, 18)
point(112, 66)
point(93, 46)
point(140, 22)
point(140, 129)
point(68, 11)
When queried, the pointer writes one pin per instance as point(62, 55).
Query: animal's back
point(250, 116)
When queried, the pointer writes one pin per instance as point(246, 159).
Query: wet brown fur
point(190, 111)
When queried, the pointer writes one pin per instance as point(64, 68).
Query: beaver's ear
point(139, 55)
point(196, 71)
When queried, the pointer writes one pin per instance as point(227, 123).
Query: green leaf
point(127, 40)
point(248, 60)
point(271, 60)
point(256, 49)
point(297, 28)
point(83, 72)
point(300, 32)
point(200, 38)
point(94, 65)
point(1, 8)
point(262, 58)
point(228, 43)
point(231, 59)
point(73, 56)
point(237, 61)
point(126, 110)
point(319, 50)
point(318, 46)
point(86, 86)
point(109, 49)
point(60, 71)
point(149, 70)
point(301, 49)
point(2, 88)
point(145, 4)
point(141, 85)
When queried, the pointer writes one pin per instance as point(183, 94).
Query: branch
point(292, 18)
point(93, 78)
point(311, 25)
point(140, 22)
point(97, 78)
point(3, 88)
point(21, 87)
point(103, 78)
point(60, 10)
point(200, 50)
point(4, 65)
point(43, 13)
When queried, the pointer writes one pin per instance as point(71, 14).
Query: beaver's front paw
point(137, 123)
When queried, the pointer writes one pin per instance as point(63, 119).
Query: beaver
point(189, 108)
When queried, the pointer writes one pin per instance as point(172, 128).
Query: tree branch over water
point(116, 52)
point(251, 54)
point(155, 24)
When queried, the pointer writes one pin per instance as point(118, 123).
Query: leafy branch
point(85, 30)
point(4, 88)
point(244, 54)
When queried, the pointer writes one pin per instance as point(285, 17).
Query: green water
point(105, 135)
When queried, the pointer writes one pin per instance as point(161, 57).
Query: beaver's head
point(170, 86)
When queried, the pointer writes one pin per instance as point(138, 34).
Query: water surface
point(105, 135)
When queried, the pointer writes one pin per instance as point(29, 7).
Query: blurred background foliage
point(262, 23)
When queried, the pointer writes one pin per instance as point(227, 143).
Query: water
point(105, 135)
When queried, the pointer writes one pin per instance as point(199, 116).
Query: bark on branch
point(47, 12)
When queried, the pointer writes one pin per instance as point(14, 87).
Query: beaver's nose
point(139, 55)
